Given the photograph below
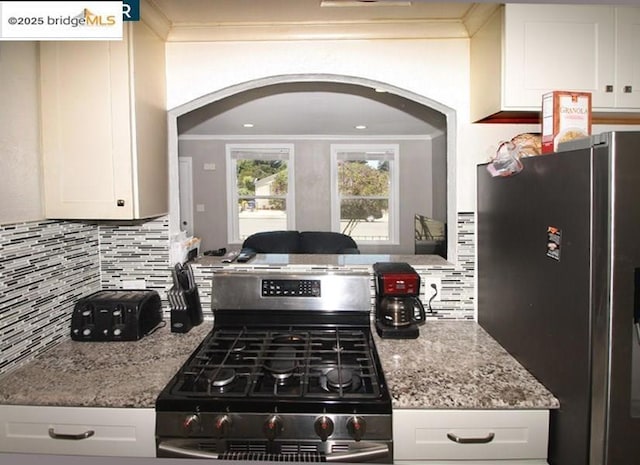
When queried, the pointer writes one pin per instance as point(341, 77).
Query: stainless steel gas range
point(289, 372)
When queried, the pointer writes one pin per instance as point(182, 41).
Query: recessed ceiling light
point(247, 125)
point(360, 126)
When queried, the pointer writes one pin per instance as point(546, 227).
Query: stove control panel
point(275, 426)
point(290, 288)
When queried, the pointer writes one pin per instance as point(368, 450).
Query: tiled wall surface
point(44, 268)
point(135, 254)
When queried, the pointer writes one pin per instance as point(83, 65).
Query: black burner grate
point(294, 363)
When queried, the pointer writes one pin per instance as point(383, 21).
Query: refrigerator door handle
point(637, 325)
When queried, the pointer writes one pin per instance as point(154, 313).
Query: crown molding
point(478, 16)
point(154, 18)
point(361, 30)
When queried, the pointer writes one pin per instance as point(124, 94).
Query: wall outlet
point(429, 291)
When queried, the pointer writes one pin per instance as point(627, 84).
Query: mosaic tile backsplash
point(46, 266)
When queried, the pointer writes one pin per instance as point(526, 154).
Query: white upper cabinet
point(526, 50)
point(628, 57)
point(104, 127)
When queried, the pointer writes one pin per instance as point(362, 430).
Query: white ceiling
point(237, 11)
point(254, 19)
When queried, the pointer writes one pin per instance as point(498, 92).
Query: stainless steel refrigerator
point(558, 271)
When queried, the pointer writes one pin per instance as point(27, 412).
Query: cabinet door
point(86, 130)
point(628, 57)
point(470, 434)
point(558, 47)
point(77, 431)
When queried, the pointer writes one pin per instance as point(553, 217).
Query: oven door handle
point(361, 452)
point(174, 448)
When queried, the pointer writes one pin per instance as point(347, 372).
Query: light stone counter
point(325, 260)
point(453, 364)
point(102, 374)
point(457, 365)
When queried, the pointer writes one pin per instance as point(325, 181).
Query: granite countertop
point(457, 365)
point(102, 374)
point(325, 260)
point(453, 365)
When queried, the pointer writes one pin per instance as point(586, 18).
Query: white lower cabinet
point(473, 436)
point(124, 432)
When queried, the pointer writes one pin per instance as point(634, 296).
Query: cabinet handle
point(74, 437)
point(459, 440)
point(608, 88)
point(628, 89)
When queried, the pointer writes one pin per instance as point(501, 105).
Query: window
point(261, 189)
point(364, 188)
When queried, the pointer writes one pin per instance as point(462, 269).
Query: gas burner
point(282, 363)
point(236, 353)
point(239, 346)
point(341, 379)
point(223, 378)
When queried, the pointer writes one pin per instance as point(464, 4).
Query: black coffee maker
point(399, 310)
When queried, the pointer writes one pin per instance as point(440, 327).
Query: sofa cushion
point(327, 242)
point(273, 242)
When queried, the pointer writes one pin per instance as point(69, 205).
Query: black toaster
point(116, 315)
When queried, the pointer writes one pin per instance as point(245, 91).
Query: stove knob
point(272, 427)
point(323, 427)
point(192, 424)
point(222, 425)
point(356, 427)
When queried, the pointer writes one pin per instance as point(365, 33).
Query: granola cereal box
point(566, 115)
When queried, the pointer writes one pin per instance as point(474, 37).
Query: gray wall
point(439, 170)
point(312, 187)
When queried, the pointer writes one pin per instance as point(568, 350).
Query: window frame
point(262, 152)
point(377, 152)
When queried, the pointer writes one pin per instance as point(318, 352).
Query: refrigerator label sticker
point(553, 242)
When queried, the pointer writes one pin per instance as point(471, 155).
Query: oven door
point(327, 451)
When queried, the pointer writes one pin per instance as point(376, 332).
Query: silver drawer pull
point(74, 437)
point(455, 438)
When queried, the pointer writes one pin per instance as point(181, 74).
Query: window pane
point(260, 214)
point(363, 178)
point(365, 219)
point(261, 177)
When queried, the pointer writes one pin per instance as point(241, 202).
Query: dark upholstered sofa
point(296, 242)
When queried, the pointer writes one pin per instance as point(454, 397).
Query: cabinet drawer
point(78, 431)
point(470, 434)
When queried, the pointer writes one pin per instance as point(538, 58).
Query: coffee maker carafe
point(398, 308)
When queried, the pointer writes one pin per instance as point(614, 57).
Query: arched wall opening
point(448, 114)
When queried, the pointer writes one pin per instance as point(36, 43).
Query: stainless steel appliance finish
point(559, 287)
point(333, 291)
point(289, 373)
